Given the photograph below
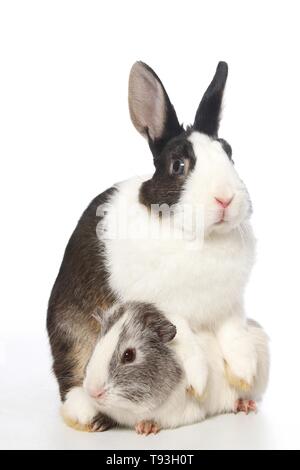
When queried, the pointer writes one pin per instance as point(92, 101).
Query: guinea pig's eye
point(128, 356)
point(177, 167)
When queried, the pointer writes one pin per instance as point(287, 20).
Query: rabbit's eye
point(178, 167)
point(128, 356)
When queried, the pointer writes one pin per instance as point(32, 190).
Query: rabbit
point(123, 250)
point(144, 370)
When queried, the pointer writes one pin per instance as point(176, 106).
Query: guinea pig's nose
point(97, 392)
point(224, 202)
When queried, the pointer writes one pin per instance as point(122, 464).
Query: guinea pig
point(148, 373)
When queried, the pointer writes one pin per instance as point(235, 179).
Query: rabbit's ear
point(150, 108)
point(208, 114)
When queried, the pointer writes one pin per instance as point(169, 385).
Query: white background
point(65, 136)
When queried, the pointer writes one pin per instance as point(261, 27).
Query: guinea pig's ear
point(208, 114)
point(158, 323)
point(166, 331)
point(151, 110)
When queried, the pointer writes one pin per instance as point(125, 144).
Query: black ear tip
point(222, 70)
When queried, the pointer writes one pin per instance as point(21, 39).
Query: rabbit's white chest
point(202, 281)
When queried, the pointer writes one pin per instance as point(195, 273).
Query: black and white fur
point(200, 278)
point(152, 391)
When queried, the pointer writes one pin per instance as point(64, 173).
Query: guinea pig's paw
point(245, 406)
point(78, 410)
point(101, 423)
point(147, 427)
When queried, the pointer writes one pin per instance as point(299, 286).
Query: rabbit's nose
point(97, 392)
point(224, 202)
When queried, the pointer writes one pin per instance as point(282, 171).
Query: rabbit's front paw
point(193, 392)
point(197, 388)
point(240, 356)
point(240, 371)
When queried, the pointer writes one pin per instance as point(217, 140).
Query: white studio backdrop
point(65, 136)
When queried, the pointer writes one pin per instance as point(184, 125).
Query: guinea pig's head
point(132, 366)
point(193, 167)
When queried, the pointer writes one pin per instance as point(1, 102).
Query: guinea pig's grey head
point(132, 366)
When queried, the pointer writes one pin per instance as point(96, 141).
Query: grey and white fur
point(142, 375)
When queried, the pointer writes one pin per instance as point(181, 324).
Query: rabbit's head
point(193, 166)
